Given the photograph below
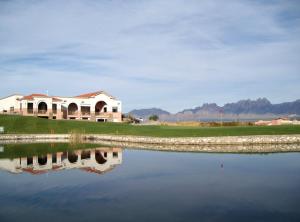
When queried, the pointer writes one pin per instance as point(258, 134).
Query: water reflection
point(150, 186)
point(96, 160)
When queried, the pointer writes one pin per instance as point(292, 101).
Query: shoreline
point(238, 149)
point(222, 140)
point(230, 144)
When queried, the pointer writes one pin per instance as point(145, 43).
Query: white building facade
point(97, 106)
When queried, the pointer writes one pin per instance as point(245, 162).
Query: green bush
point(153, 117)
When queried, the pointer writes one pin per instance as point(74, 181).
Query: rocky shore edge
point(228, 144)
point(222, 140)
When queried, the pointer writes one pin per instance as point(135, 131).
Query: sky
point(171, 54)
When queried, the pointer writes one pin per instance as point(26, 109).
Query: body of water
point(55, 182)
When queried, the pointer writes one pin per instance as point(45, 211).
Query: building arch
point(99, 106)
point(99, 158)
point(72, 157)
point(42, 107)
point(42, 160)
point(72, 109)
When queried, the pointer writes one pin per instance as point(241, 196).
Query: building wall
point(91, 102)
point(112, 111)
point(10, 102)
point(36, 101)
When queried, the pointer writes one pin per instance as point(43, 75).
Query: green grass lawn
point(21, 124)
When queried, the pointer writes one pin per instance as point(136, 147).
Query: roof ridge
point(93, 94)
point(85, 95)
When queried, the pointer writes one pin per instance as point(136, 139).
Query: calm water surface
point(113, 184)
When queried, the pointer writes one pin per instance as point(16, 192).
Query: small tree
point(153, 117)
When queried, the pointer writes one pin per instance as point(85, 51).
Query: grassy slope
point(20, 124)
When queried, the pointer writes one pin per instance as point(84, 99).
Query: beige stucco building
point(97, 106)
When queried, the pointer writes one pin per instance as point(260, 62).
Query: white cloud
point(173, 54)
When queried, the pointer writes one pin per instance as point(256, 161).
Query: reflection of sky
point(149, 186)
point(204, 51)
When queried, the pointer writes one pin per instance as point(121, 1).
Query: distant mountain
point(144, 113)
point(287, 107)
point(205, 108)
point(260, 108)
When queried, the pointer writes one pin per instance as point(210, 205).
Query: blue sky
point(172, 54)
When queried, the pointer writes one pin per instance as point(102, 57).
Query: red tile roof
point(56, 167)
point(35, 172)
point(32, 96)
point(56, 99)
point(93, 94)
point(86, 95)
point(91, 170)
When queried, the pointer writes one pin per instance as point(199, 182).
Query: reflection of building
point(96, 106)
point(97, 160)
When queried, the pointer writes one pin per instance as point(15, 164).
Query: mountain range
point(148, 112)
point(243, 109)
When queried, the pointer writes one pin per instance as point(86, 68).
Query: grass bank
point(33, 125)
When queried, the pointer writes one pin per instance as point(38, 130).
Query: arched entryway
point(42, 160)
point(72, 109)
point(99, 158)
point(72, 157)
point(100, 107)
point(42, 107)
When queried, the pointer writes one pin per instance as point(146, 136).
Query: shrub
point(154, 117)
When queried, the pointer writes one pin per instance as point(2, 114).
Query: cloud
point(172, 54)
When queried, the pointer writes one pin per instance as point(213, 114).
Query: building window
point(30, 107)
point(54, 108)
point(85, 155)
point(105, 109)
point(29, 161)
point(115, 109)
point(85, 110)
point(54, 158)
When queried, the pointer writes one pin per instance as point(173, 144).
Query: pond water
point(57, 182)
